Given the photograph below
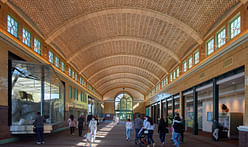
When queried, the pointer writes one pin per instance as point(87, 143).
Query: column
point(215, 104)
point(42, 88)
point(182, 105)
point(195, 105)
point(246, 95)
point(173, 106)
point(161, 109)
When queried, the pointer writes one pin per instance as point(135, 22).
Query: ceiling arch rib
point(125, 73)
point(146, 12)
point(124, 55)
point(122, 88)
point(137, 82)
point(124, 66)
point(124, 38)
point(123, 85)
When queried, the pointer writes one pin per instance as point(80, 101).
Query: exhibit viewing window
point(35, 88)
point(124, 106)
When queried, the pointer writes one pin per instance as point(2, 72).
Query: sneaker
point(153, 144)
point(43, 142)
point(37, 142)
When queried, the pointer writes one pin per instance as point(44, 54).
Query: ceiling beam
point(145, 12)
point(124, 66)
point(124, 38)
point(124, 55)
point(126, 74)
point(118, 80)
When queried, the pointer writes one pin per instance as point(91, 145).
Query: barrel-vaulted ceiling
point(123, 43)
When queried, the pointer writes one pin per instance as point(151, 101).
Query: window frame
point(57, 61)
point(217, 39)
point(212, 38)
point(17, 27)
point(185, 66)
point(49, 57)
point(30, 37)
point(229, 26)
point(40, 50)
point(190, 57)
point(197, 51)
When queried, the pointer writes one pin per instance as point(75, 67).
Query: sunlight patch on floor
point(101, 133)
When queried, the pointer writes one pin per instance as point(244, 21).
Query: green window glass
point(51, 56)
point(62, 66)
point(69, 72)
point(171, 77)
point(74, 93)
point(76, 77)
point(210, 46)
point(57, 62)
point(190, 62)
point(235, 27)
point(70, 92)
point(26, 37)
point(37, 46)
point(12, 26)
point(177, 72)
point(73, 75)
point(77, 94)
point(196, 57)
point(184, 66)
point(221, 38)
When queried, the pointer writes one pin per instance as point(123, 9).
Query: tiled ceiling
point(123, 43)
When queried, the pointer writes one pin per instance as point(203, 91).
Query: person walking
point(39, 128)
point(80, 124)
point(162, 130)
point(177, 126)
point(138, 123)
point(93, 129)
point(129, 126)
point(72, 124)
point(150, 127)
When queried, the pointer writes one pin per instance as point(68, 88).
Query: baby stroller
point(142, 137)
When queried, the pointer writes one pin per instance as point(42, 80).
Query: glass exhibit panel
point(189, 115)
point(177, 105)
point(31, 82)
point(170, 117)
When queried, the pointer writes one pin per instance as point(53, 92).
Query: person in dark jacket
point(162, 129)
point(39, 126)
point(177, 125)
point(80, 124)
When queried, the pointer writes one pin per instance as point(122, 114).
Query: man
point(138, 123)
point(80, 124)
point(39, 125)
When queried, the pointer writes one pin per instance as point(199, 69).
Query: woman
point(129, 126)
point(93, 129)
point(150, 127)
point(162, 130)
point(72, 124)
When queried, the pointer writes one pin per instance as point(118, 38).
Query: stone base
point(243, 136)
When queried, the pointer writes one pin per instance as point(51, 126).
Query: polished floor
point(110, 135)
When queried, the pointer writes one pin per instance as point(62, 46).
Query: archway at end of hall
point(123, 106)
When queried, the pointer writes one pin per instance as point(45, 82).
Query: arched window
point(124, 106)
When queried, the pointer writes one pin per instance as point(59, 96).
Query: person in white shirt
point(150, 127)
point(129, 126)
point(93, 129)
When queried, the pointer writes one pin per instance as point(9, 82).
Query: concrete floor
point(110, 134)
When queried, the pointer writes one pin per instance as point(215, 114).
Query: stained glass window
point(235, 26)
point(210, 46)
point(62, 66)
point(196, 57)
point(221, 38)
point(12, 26)
point(190, 61)
point(26, 37)
point(37, 46)
point(57, 62)
point(50, 54)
